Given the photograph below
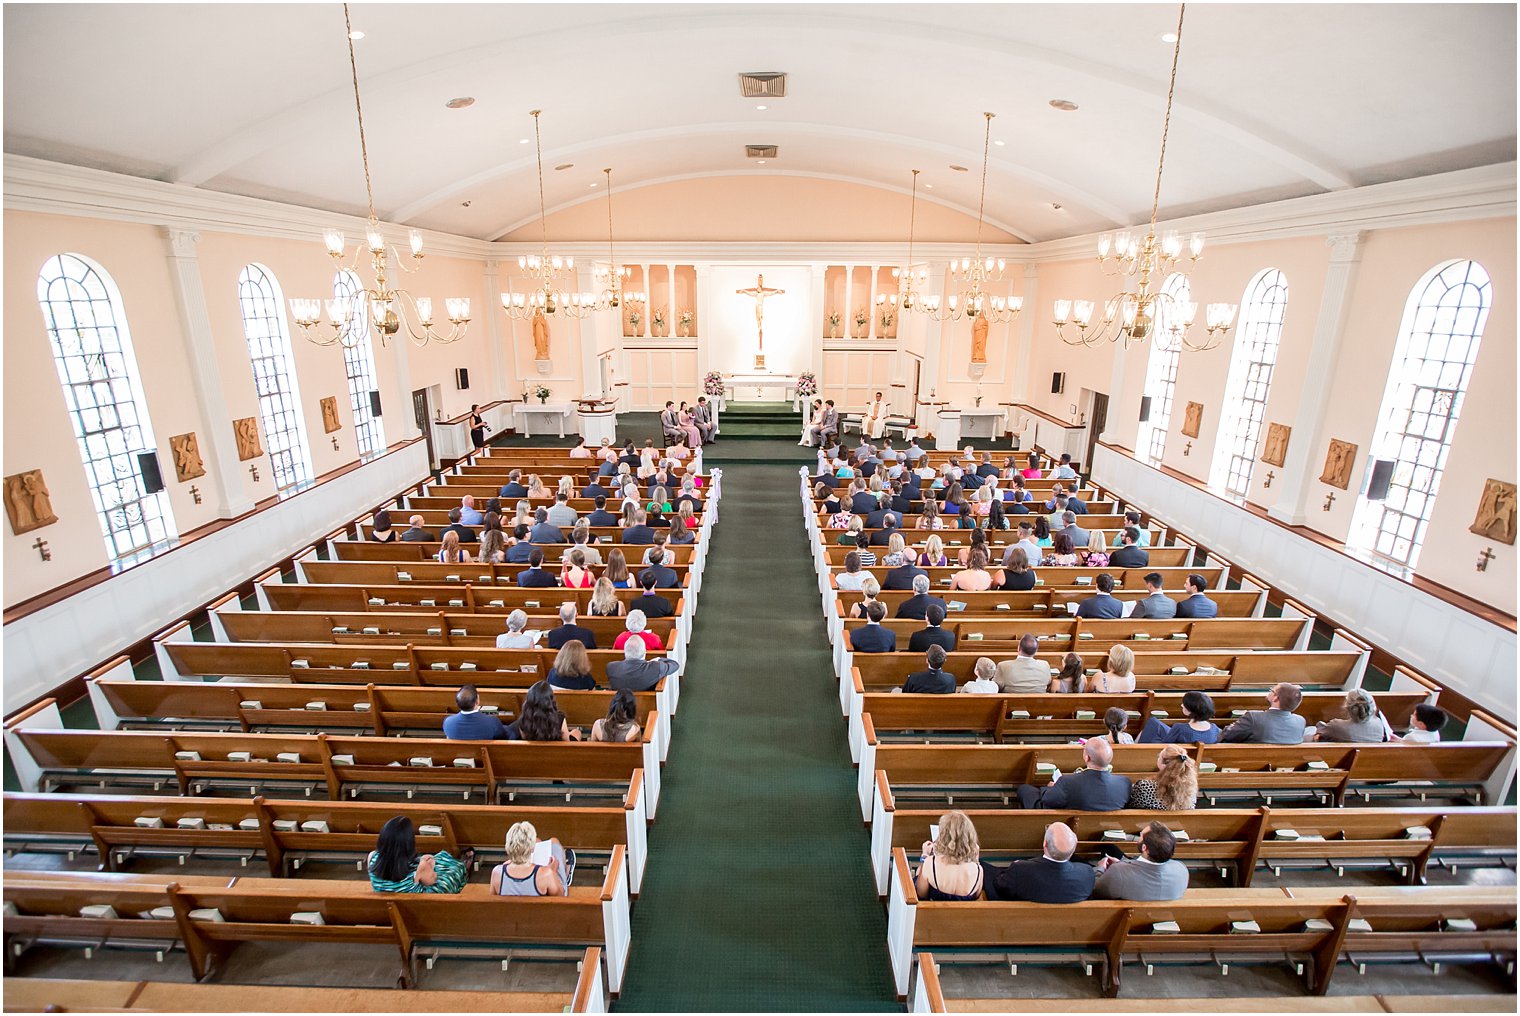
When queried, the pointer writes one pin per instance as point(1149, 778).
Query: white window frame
point(263, 309)
point(359, 365)
point(97, 369)
point(1265, 305)
point(1161, 372)
point(1445, 314)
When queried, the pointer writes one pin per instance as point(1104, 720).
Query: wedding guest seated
point(574, 574)
point(1199, 727)
point(560, 514)
point(872, 637)
point(1072, 680)
point(470, 724)
point(933, 634)
point(1155, 605)
point(600, 516)
point(617, 570)
point(395, 867)
point(852, 577)
point(581, 540)
point(450, 552)
point(604, 600)
point(1277, 724)
point(829, 501)
point(493, 547)
point(535, 576)
point(521, 549)
point(1363, 722)
point(867, 555)
point(572, 668)
point(1197, 605)
point(517, 636)
point(1017, 575)
point(536, 488)
point(637, 626)
point(635, 671)
point(541, 719)
point(380, 530)
point(1115, 720)
point(468, 513)
point(1103, 603)
point(680, 535)
point(1154, 875)
point(543, 530)
point(933, 681)
point(514, 487)
point(977, 540)
point(916, 607)
point(665, 577)
point(933, 555)
point(1132, 518)
point(1093, 788)
point(465, 533)
point(568, 629)
point(929, 517)
point(1096, 555)
point(1026, 674)
point(1032, 472)
point(594, 489)
point(870, 589)
point(621, 722)
point(415, 533)
point(1053, 877)
point(1062, 553)
point(949, 866)
point(1175, 786)
point(650, 602)
point(1118, 677)
point(1129, 554)
point(975, 577)
point(518, 875)
point(1425, 725)
point(1064, 471)
point(983, 678)
point(639, 532)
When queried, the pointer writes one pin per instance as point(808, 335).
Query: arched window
point(1432, 364)
point(1161, 373)
point(1245, 401)
point(279, 399)
point(92, 350)
point(359, 362)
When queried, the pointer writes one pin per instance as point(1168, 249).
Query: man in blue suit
point(916, 607)
point(933, 635)
point(1103, 604)
point(873, 638)
point(1092, 788)
point(902, 576)
point(1196, 604)
point(1052, 877)
point(513, 487)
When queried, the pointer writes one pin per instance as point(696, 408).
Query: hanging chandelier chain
point(912, 218)
point(610, 257)
point(1166, 123)
point(982, 203)
point(538, 148)
point(353, 66)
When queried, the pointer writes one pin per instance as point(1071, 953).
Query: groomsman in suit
point(701, 415)
point(828, 425)
point(1196, 604)
point(1157, 606)
point(670, 422)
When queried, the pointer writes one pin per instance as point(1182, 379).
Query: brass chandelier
point(1145, 311)
point(392, 309)
point(907, 297)
point(612, 277)
point(547, 268)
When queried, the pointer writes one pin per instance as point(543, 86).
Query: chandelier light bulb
point(1061, 312)
point(425, 310)
point(375, 240)
point(338, 311)
point(1186, 312)
point(1171, 246)
point(1105, 244)
point(334, 240)
point(416, 241)
point(458, 308)
point(1083, 311)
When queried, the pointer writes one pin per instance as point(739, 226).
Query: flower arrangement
point(807, 384)
point(657, 320)
point(861, 320)
point(712, 384)
point(684, 320)
point(635, 319)
point(542, 391)
point(886, 321)
point(834, 319)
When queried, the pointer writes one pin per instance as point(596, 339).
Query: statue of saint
point(979, 339)
point(540, 336)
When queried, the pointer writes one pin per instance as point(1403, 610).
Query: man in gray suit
point(829, 424)
point(1156, 606)
point(670, 423)
point(701, 415)
point(1079, 537)
point(1154, 875)
point(634, 672)
point(1277, 724)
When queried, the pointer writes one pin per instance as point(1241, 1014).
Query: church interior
point(1089, 428)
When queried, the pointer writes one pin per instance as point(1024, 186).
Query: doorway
point(422, 410)
point(1097, 417)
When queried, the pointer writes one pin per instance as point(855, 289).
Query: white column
point(705, 312)
point(817, 299)
point(224, 470)
point(495, 337)
point(1024, 335)
point(1298, 473)
point(934, 332)
point(586, 329)
point(849, 301)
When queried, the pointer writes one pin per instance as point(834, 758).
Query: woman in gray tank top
point(523, 874)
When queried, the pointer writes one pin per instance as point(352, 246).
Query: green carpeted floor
point(758, 894)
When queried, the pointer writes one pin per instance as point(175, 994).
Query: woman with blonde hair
point(1119, 676)
point(519, 876)
point(897, 552)
point(934, 555)
point(975, 577)
point(536, 486)
point(604, 601)
point(451, 552)
point(617, 570)
point(566, 486)
point(950, 868)
point(522, 515)
point(852, 533)
point(1175, 787)
point(571, 669)
point(870, 589)
point(929, 517)
point(1096, 555)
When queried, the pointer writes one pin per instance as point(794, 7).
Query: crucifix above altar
point(758, 292)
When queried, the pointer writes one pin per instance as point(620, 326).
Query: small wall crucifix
point(1187, 449)
point(1329, 500)
point(1270, 477)
point(41, 547)
point(195, 492)
point(1483, 558)
point(335, 444)
point(253, 471)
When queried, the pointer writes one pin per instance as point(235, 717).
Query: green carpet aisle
point(758, 894)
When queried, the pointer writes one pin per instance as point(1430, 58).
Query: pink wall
point(756, 207)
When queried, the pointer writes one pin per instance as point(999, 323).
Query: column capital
point(491, 265)
point(182, 242)
point(1031, 271)
point(1345, 248)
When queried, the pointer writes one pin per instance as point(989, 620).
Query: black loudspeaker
point(1379, 480)
point(461, 378)
point(374, 403)
point(147, 468)
point(1057, 383)
point(1145, 408)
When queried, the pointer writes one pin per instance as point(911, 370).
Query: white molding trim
point(38, 185)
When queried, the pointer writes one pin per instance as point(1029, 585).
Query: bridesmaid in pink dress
point(693, 435)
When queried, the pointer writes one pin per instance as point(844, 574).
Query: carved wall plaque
point(27, 502)
point(1192, 419)
point(330, 421)
point(1338, 464)
point(1275, 451)
point(1496, 512)
point(187, 457)
point(248, 444)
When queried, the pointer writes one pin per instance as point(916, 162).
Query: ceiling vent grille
point(763, 85)
point(760, 151)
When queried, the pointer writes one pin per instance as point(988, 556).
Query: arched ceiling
point(1273, 101)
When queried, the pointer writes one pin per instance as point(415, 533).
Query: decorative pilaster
point(1024, 334)
point(495, 335)
point(226, 473)
point(817, 298)
point(1296, 488)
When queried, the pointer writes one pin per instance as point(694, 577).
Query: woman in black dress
point(478, 427)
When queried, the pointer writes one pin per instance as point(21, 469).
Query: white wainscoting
point(852, 377)
point(660, 374)
point(48, 647)
point(1465, 653)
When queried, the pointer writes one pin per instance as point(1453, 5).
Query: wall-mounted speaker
point(1145, 408)
point(152, 476)
point(1380, 479)
point(374, 403)
point(1057, 383)
point(461, 378)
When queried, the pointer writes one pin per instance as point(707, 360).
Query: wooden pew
point(398, 550)
point(472, 631)
point(261, 910)
point(339, 763)
point(256, 827)
point(496, 600)
point(1161, 557)
point(433, 573)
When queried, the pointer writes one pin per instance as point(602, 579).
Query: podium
point(598, 420)
point(947, 430)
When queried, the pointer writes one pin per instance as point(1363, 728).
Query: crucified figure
point(759, 291)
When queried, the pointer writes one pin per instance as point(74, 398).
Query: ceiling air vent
point(760, 151)
point(763, 85)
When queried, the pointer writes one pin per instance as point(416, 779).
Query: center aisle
point(758, 894)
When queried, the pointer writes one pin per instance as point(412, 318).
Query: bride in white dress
point(809, 422)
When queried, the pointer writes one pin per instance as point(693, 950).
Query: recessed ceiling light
point(1000, 144)
point(1065, 105)
point(762, 108)
point(593, 185)
point(522, 141)
point(1169, 37)
point(930, 186)
point(564, 165)
point(356, 35)
point(960, 169)
point(463, 102)
point(759, 162)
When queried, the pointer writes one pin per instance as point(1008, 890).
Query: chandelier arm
point(353, 66)
point(1166, 123)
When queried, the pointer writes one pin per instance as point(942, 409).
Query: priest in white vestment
point(874, 423)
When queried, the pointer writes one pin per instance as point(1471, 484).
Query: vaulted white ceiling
point(1273, 101)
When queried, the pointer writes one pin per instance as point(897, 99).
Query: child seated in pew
point(533, 868)
point(1115, 719)
point(983, 678)
point(1425, 725)
point(1199, 728)
point(950, 868)
point(1072, 680)
point(394, 866)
